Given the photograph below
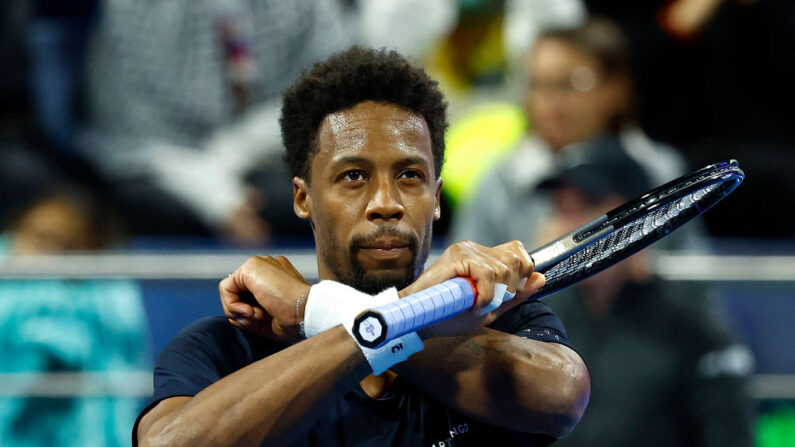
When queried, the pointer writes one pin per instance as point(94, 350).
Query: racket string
point(622, 242)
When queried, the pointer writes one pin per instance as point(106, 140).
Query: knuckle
point(514, 261)
point(463, 245)
point(504, 271)
point(517, 245)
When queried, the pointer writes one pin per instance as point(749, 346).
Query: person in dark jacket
point(665, 370)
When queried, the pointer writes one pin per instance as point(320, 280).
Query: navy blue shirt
point(211, 348)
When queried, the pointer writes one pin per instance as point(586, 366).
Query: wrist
point(330, 304)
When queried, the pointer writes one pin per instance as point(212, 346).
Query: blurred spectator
point(182, 105)
point(478, 66)
point(183, 102)
point(16, 116)
point(411, 27)
point(68, 326)
point(476, 59)
point(579, 89)
point(685, 383)
point(64, 218)
point(41, 46)
point(56, 37)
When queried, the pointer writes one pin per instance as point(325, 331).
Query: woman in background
point(96, 327)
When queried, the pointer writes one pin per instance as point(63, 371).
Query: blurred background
point(140, 162)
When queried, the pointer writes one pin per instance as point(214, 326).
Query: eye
point(353, 175)
point(412, 175)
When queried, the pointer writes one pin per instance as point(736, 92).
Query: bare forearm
point(505, 380)
point(267, 399)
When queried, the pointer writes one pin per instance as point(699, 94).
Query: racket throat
point(578, 239)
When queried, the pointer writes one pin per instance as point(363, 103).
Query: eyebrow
point(350, 160)
point(357, 160)
point(408, 161)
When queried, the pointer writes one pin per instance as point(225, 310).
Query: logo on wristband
point(370, 329)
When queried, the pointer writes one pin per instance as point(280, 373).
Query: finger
point(484, 275)
point(509, 296)
point(240, 309)
point(533, 283)
point(260, 314)
point(286, 263)
point(491, 275)
point(499, 261)
point(514, 255)
point(529, 286)
point(536, 281)
point(507, 277)
point(496, 301)
point(231, 302)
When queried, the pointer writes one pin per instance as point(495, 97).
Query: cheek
point(334, 218)
point(595, 109)
point(422, 207)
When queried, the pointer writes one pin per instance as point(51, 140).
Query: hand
point(507, 264)
point(276, 287)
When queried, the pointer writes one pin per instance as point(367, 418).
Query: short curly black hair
point(346, 79)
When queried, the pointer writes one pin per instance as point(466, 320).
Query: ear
point(302, 203)
point(437, 210)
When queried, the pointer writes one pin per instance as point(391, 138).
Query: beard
point(372, 282)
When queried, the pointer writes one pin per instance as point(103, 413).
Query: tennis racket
point(569, 259)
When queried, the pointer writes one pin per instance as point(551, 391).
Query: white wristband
point(331, 303)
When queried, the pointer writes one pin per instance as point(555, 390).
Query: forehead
point(372, 130)
point(556, 55)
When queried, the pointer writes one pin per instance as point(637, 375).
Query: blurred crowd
point(122, 121)
point(167, 111)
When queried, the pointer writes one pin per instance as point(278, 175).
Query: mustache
point(391, 232)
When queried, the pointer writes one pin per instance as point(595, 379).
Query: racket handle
point(374, 327)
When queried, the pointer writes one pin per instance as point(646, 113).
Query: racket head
point(633, 226)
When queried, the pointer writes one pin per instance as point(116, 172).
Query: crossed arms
point(546, 386)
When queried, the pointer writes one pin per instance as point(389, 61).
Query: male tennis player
point(364, 138)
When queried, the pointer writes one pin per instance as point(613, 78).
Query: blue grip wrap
point(426, 307)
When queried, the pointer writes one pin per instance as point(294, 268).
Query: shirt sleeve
point(198, 356)
point(533, 320)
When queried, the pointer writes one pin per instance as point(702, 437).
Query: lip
point(385, 244)
point(385, 253)
point(385, 249)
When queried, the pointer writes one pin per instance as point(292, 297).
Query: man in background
point(684, 381)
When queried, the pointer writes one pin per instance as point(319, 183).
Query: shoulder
point(534, 320)
point(699, 325)
point(203, 353)
point(207, 335)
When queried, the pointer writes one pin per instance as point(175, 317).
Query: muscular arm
point(263, 401)
point(505, 380)
point(496, 377)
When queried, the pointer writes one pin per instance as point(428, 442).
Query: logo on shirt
point(455, 431)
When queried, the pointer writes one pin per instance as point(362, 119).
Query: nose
point(384, 203)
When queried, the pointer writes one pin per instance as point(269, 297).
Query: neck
point(376, 386)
